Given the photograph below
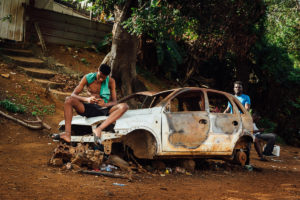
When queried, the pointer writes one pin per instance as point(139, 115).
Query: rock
point(59, 65)
point(58, 162)
point(188, 165)
point(76, 167)
point(116, 160)
point(180, 170)
point(68, 166)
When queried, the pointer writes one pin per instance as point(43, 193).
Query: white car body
point(158, 131)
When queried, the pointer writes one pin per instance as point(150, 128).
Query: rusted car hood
point(129, 118)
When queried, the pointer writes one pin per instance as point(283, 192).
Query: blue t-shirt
point(243, 98)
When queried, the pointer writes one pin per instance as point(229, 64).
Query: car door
point(224, 127)
point(185, 123)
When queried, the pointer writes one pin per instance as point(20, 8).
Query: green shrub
point(12, 107)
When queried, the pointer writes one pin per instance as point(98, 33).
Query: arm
point(247, 106)
point(227, 109)
point(229, 106)
point(256, 130)
point(247, 103)
point(79, 89)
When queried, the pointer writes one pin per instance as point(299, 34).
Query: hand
point(100, 102)
point(92, 100)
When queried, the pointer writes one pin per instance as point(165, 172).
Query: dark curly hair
point(104, 69)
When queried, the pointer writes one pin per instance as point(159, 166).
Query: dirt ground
point(77, 59)
point(25, 173)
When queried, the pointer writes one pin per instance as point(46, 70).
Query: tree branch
point(26, 124)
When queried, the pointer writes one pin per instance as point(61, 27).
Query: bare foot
point(64, 135)
point(97, 132)
point(97, 136)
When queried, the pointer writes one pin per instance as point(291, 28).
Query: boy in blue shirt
point(238, 93)
point(245, 100)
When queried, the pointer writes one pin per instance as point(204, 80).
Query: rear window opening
point(188, 101)
point(218, 102)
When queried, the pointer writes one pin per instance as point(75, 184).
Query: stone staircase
point(35, 68)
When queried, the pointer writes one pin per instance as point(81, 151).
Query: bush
point(12, 107)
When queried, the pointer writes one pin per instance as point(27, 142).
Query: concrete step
point(16, 52)
point(27, 61)
point(50, 84)
point(60, 95)
point(38, 73)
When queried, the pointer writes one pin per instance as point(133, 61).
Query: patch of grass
point(33, 106)
point(84, 61)
point(36, 107)
point(12, 107)
point(39, 110)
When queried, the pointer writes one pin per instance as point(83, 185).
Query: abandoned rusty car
point(179, 123)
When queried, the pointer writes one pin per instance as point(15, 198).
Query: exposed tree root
point(28, 124)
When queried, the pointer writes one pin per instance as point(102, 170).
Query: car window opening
point(188, 101)
point(218, 102)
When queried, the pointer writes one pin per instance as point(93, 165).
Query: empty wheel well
point(243, 142)
point(142, 142)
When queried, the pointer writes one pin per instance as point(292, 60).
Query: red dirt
point(25, 174)
point(73, 58)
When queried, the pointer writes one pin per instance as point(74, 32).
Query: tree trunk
point(123, 54)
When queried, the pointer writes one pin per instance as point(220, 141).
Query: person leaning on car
point(245, 100)
point(238, 93)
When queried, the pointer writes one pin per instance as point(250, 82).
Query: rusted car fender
point(143, 141)
point(243, 141)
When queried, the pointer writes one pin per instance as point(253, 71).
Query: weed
point(37, 97)
point(33, 106)
point(34, 113)
point(12, 107)
point(7, 17)
point(84, 61)
point(39, 110)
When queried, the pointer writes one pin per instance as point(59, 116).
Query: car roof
point(175, 90)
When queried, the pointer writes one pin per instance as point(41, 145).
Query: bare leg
point(114, 113)
point(70, 103)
